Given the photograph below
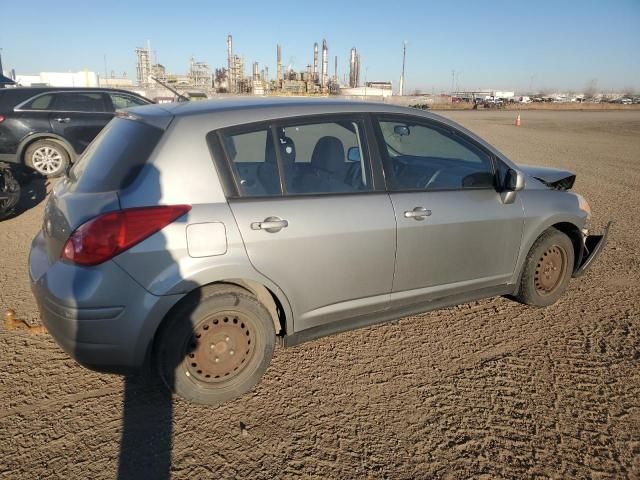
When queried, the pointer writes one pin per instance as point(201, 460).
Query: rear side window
point(292, 159)
point(113, 160)
point(253, 162)
point(42, 102)
point(120, 100)
point(79, 102)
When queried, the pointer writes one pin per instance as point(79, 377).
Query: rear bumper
point(592, 247)
point(100, 316)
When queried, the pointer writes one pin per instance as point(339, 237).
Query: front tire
point(47, 157)
point(216, 345)
point(547, 269)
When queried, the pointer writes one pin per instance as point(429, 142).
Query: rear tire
point(216, 345)
point(547, 269)
point(47, 157)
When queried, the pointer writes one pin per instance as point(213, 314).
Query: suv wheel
point(47, 157)
point(216, 345)
point(547, 269)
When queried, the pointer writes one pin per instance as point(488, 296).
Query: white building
point(60, 79)
point(375, 90)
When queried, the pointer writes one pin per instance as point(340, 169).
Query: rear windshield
point(114, 158)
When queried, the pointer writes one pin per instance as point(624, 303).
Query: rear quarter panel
point(181, 171)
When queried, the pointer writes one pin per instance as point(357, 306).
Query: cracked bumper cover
point(592, 246)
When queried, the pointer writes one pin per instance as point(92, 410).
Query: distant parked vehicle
point(47, 128)
point(226, 226)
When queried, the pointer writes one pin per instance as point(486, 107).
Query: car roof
point(269, 105)
point(37, 90)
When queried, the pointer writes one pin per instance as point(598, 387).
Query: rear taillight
point(2, 117)
point(110, 234)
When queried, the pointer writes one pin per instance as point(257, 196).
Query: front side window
point(79, 102)
point(306, 158)
point(120, 100)
point(420, 156)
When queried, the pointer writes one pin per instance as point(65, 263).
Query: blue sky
point(497, 44)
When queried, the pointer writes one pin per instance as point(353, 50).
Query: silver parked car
point(194, 236)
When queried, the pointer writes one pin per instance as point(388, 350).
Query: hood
point(554, 178)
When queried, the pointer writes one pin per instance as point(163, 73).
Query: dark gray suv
point(192, 237)
point(47, 128)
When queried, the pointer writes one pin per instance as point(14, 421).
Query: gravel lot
point(491, 389)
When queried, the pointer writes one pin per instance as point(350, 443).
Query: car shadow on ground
point(147, 420)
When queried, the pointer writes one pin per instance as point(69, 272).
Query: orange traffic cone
point(518, 122)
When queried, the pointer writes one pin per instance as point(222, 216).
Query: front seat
point(327, 168)
point(268, 170)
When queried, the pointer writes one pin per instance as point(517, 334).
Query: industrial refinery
point(315, 79)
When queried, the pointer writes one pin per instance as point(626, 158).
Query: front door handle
point(270, 224)
point(418, 213)
point(63, 120)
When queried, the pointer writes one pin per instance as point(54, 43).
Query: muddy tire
point(547, 269)
point(216, 345)
point(47, 157)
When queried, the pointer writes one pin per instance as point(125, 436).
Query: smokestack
point(230, 72)
point(315, 62)
point(256, 71)
point(352, 68)
point(404, 56)
point(335, 69)
point(279, 68)
point(325, 64)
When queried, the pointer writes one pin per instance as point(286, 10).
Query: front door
point(454, 232)
point(319, 229)
point(79, 116)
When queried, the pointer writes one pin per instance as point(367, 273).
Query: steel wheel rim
point(46, 160)
point(221, 347)
point(550, 270)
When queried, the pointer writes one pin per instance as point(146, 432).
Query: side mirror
point(513, 181)
point(353, 154)
point(401, 130)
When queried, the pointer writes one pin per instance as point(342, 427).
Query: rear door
point(454, 232)
point(311, 218)
point(80, 116)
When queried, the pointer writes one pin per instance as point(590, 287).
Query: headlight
point(584, 206)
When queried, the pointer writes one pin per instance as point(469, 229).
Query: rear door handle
point(63, 120)
point(270, 224)
point(417, 213)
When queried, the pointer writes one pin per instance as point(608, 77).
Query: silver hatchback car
point(194, 236)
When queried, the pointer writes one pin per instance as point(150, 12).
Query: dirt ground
point(491, 389)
